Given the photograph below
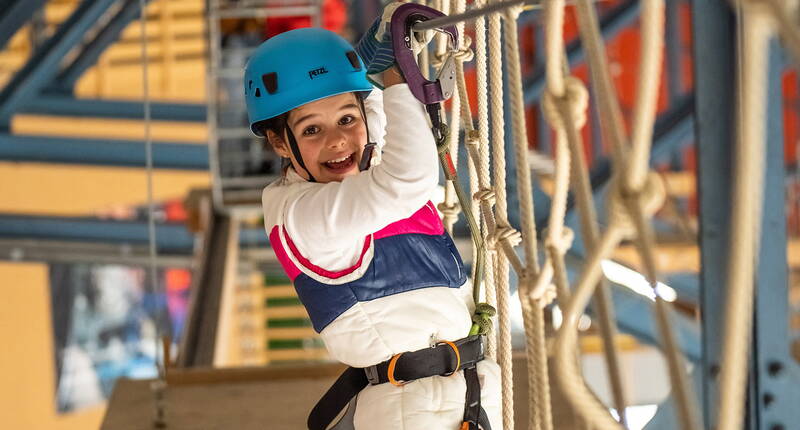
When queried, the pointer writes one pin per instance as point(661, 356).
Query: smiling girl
point(364, 247)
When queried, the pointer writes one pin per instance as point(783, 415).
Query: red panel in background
point(791, 115)
point(334, 18)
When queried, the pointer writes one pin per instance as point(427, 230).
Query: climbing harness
point(443, 359)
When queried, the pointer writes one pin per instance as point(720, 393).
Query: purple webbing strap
point(428, 92)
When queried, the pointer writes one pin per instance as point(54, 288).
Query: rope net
point(635, 194)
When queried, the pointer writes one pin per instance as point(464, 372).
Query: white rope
point(755, 32)
point(481, 154)
point(499, 179)
point(540, 416)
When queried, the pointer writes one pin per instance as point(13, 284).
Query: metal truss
point(108, 152)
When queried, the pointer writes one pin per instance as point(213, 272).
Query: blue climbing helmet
point(298, 67)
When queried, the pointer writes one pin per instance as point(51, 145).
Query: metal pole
point(475, 13)
point(472, 14)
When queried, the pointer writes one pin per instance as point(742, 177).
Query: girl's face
point(331, 135)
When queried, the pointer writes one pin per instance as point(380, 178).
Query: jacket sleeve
point(328, 216)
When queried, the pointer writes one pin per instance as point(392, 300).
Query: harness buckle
point(372, 375)
point(392, 364)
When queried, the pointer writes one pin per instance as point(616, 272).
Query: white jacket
point(344, 234)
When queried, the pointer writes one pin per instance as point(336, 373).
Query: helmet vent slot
point(270, 82)
point(353, 57)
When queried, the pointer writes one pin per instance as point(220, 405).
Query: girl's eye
point(311, 130)
point(347, 119)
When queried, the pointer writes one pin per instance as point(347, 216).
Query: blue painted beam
point(777, 372)
point(715, 65)
point(173, 238)
point(13, 15)
point(107, 152)
point(55, 104)
point(610, 25)
point(43, 65)
point(91, 51)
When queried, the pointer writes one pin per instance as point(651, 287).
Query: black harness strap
point(349, 384)
point(440, 360)
point(475, 417)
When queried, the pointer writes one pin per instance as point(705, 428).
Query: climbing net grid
point(635, 194)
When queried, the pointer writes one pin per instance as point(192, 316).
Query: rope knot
point(540, 288)
point(482, 319)
point(559, 244)
point(575, 100)
point(463, 54)
point(450, 211)
point(505, 233)
point(649, 198)
point(486, 195)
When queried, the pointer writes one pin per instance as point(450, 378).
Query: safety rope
point(503, 231)
point(754, 34)
point(533, 312)
point(477, 143)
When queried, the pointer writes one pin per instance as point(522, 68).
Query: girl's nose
point(336, 139)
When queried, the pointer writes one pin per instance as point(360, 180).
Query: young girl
point(365, 249)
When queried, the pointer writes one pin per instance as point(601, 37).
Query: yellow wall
point(27, 369)
point(64, 190)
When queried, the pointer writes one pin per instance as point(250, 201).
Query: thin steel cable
point(158, 387)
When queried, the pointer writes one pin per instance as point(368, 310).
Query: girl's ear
point(278, 144)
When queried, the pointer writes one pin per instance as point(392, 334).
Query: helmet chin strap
point(296, 152)
point(369, 148)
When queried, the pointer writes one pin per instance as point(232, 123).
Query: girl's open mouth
point(341, 165)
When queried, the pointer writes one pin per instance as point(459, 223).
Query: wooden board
point(274, 405)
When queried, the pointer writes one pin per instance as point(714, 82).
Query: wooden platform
point(272, 397)
point(206, 401)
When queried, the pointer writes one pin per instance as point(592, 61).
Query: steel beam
point(610, 25)
point(107, 152)
point(43, 65)
point(715, 65)
point(171, 238)
point(777, 374)
point(13, 15)
point(56, 104)
point(51, 251)
point(91, 51)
